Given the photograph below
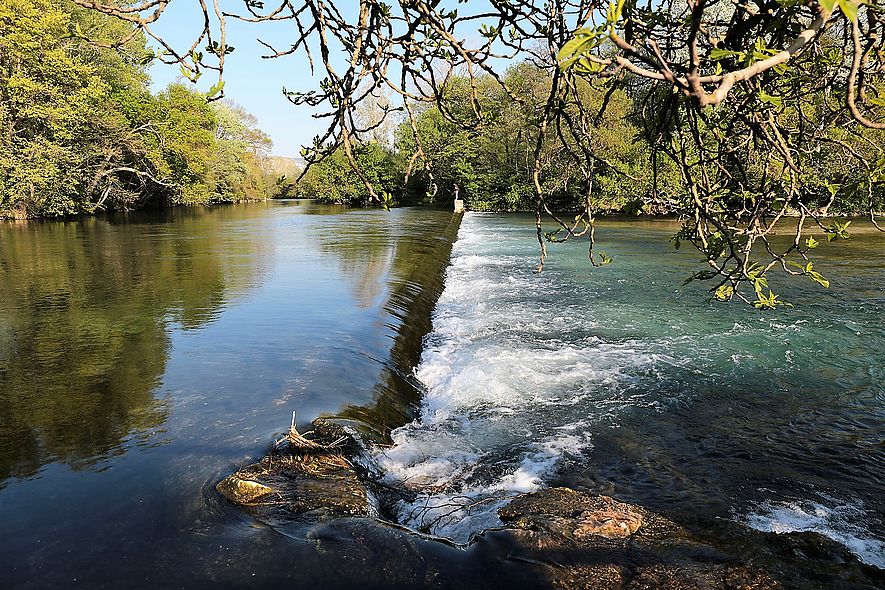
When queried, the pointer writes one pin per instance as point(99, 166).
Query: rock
point(242, 491)
point(554, 538)
point(611, 524)
point(571, 514)
point(699, 576)
point(309, 473)
point(597, 542)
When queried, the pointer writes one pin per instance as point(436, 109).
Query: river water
point(144, 357)
point(623, 381)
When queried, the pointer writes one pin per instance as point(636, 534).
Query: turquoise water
point(144, 357)
point(622, 380)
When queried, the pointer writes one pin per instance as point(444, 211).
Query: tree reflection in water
point(85, 307)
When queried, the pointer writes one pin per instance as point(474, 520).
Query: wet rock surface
point(587, 541)
point(592, 541)
point(242, 491)
point(554, 538)
point(303, 474)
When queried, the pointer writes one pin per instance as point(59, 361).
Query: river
point(624, 381)
point(145, 356)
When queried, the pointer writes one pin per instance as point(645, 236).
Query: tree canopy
point(82, 131)
point(769, 112)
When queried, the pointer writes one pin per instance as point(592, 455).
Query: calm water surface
point(143, 358)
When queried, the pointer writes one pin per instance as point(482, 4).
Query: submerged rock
point(301, 474)
point(242, 491)
point(571, 514)
point(587, 541)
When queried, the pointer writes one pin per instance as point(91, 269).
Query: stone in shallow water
point(571, 514)
point(306, 475)
point(597, 542)
point(242, 491)
point(611, 524)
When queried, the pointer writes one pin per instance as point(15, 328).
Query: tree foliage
point(82, 132)
point(747, 101)
point(492, 162)
point(335, 180)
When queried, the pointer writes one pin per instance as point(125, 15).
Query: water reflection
point(414, 265)
point(85, 307)
point(363, 247)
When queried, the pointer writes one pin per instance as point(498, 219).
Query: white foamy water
point(838, 521)
point(513, 389)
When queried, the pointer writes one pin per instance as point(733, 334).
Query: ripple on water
point(521, 371)
point(839, 521)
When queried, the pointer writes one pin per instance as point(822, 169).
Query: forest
point(492, 161)
point(82, 131)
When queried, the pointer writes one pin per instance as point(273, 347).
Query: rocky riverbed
point(558, 537)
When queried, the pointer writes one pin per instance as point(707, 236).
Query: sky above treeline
point(256, 83)
point(252, 82)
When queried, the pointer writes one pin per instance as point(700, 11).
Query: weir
point(323, 470)
point(348, 483)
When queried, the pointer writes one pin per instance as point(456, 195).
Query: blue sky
point(257, 83)
point(253, 82)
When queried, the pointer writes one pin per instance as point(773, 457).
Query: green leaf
point(838, 230)
point(575, 48)
point(769, 301)
point(849, 9)
point(215, 91)
point(724, 293)
point(387, 200)
point(586, 66)
point(819, 279)
point(772, 100)
point(717, 54)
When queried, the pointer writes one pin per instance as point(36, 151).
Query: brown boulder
point(242, 491)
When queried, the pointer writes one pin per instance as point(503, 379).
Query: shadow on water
point(417, 268)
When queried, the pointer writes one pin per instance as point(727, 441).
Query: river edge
point(326, 484)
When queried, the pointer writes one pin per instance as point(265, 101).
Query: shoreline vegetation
point(83, 133)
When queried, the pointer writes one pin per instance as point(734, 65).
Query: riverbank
point(23, 215)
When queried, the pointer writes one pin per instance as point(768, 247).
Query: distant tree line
point(492, 162)
point(82, 132)
point(771, 113)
